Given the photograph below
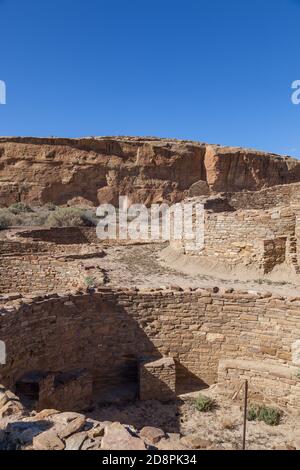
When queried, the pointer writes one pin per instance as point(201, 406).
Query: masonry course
point(196, 328)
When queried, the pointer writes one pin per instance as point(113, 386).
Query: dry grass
point(228, 423)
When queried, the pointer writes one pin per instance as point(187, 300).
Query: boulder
point(73, 427)
point(11, 408)
point(170, 444)
point(116, 437)
point(3, 398)
point(92, 444)
point(76, 441)
point(195, 442)
point(97, 431)
point(48, 440)
point(44, 414)
point(200, 188)
point(151, 435)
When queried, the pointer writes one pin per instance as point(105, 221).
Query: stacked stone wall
point(244, 238)
point(36, 266)
point(267, 198)
point(197, 328)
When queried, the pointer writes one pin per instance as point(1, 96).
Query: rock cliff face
point(97, 170)
point(236, 169)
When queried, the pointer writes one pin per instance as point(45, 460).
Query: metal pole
point(245, 414)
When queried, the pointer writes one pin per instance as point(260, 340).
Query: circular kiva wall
point(46, 259)
point(101, 331)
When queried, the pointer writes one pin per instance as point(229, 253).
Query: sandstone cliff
point(93, 170)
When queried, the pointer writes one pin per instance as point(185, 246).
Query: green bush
point(19, 208)
point(253, 413)
point(270, 416)
point(204, 403)
point(66, 217)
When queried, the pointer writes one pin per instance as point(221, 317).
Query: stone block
point(158, 380)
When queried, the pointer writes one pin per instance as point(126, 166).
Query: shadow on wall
point(187, 382)
point(97, 334)
point(57, 235)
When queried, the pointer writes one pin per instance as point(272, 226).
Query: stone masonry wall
point(268, 383)
point(100, 331)
point(28, 266)
point(157, 380)
point(244, 237)
point(13, 247)
point(38, 274)
point(267, 198)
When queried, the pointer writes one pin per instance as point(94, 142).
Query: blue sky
point(211, 70)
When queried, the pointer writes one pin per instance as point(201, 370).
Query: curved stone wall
point(100, 332)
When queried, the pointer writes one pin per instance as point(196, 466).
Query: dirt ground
point(152, 265)
point(222, 427)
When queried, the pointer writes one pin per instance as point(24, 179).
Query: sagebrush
point(204, 403)
point(269, 415)
point(21, 215)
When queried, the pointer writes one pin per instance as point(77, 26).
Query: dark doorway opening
point(124, 382)
point(28, 388)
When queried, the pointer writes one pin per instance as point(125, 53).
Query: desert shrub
point(7, 219)
point(19, 208)
point(50, 206)
point(32, 219)
point(90, 281)
point(253, 413)
point(50, 215)
point(4, 222)
point(66, 217)
point(89, 218)
point(268, 415)
point(204, 403)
